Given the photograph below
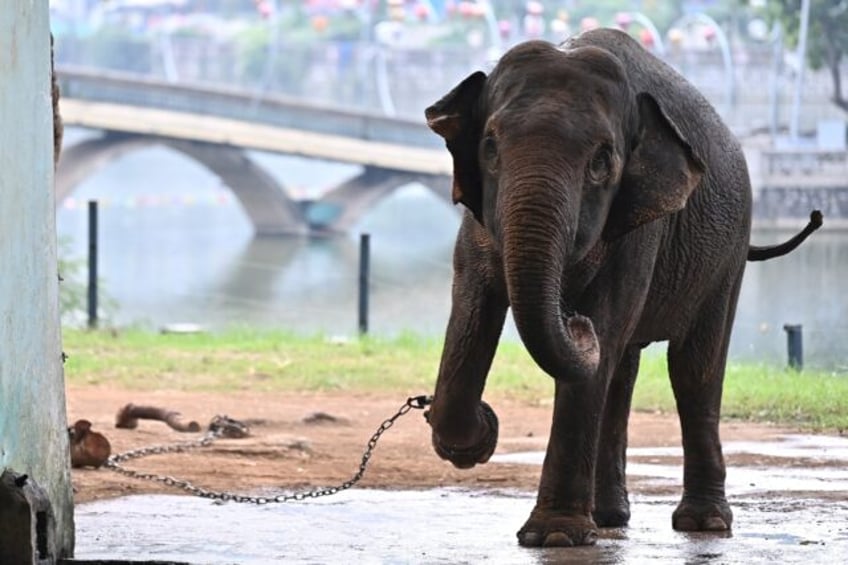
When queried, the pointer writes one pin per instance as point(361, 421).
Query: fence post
point(794, 346)
point(92, 264)
point(364, 267)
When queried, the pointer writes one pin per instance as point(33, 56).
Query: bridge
point(217, 126)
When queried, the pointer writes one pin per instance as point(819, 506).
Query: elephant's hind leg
point(696, 366)
point(612, 508)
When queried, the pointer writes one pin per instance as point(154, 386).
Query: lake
point(176, 247)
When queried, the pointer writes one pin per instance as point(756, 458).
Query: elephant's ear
point(659, 176)
point(453, 117)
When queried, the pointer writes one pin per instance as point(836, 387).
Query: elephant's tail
point(765, 252)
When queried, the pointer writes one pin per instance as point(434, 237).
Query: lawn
point(278, 361)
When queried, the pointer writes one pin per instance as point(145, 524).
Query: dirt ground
point(289, 448)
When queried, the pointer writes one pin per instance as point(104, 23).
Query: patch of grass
point(270, 360)
point(241, 359)
point(758, 392)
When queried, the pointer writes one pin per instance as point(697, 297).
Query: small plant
point(73, 291)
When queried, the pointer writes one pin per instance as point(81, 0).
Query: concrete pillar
point(33, 422)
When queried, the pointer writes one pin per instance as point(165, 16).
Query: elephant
point(609, 207)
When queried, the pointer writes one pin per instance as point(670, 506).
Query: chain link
point(218, 430)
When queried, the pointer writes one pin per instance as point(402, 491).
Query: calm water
point(175, 246)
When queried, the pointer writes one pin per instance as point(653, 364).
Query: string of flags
point(170, 200)
point(153, 201)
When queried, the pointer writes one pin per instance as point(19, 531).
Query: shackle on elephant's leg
point(466, 457)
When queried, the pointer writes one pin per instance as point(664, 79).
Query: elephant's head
point(552, 152)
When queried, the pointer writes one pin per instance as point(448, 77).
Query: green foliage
point(828, 27)
point(241, 359)
point(73, 290)
point(757, 392)
point(788, 14)
point(827, 37)
point(456, 31)
point(296, 37)
point(288, 68)
point(114, 47)
point(661, 13)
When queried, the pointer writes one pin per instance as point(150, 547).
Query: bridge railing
point(241, 104)
point(404, 80)
point(804, 168)
point(348, 74)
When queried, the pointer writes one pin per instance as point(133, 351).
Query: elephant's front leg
point(465, 429)
point(563, 512)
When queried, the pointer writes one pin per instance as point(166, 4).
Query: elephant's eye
point(600, 167)
point(489, 151)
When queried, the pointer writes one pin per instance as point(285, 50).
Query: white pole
point(802, 62)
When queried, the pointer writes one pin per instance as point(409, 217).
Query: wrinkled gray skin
point(609, 207)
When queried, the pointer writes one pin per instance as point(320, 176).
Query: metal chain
point(114, 463)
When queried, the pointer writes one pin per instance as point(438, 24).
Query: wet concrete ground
point(794, 514)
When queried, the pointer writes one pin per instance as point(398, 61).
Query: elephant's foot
point(693, 515)
point(481, 444)
point(547, 528)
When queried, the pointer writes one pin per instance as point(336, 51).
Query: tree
point(827, 37)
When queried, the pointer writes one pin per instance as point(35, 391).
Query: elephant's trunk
point(538, 237)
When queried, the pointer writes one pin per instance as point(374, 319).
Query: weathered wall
point(33, 426)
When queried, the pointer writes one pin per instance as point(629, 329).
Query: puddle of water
point(442, 526)
point(828, 448)
point(744, 480)
point(455, 526)
point(747, 480)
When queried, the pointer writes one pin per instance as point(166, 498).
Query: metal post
point(364, 267)
point(794, 346)
point(774, 80)
point(799, 77)
point(92, 264)
point(724, 47)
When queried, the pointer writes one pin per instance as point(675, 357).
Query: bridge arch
point(266, 203)
point(353, 199)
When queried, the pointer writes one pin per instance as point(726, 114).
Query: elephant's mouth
point(467, 456)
